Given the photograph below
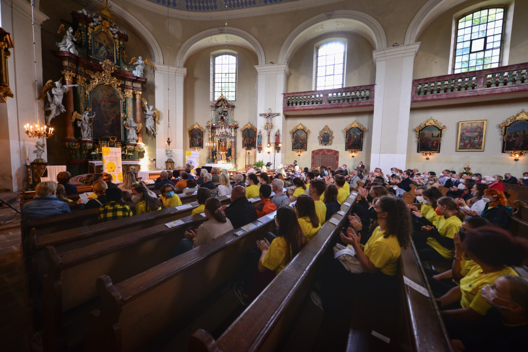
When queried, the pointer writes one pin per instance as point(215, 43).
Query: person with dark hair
point(266, 206)
point(342, 194)
point(201, 197)
point(163, 180)
point(63, 178)
point(317, 188)
point(260, 266)
point(330, 200)
point(115, 208)
point(437, 244)
point(504, 328)
point(496, 210)
point(183, 181)
point(309, 178)
point(475, 205)
point(168, 196)
point(264, 178)
point(241, 212)
point(189, 173)
point(191, 187)
point(495, 252)
point(253, 189)
point(145, 203)
point(300, 188)
point(427, 215)
point(215, 226)
point(307, 216)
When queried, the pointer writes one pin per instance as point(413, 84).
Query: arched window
point(330, 65)
point(225, 76)
point(479, 40)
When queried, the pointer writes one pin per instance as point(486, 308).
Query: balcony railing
point(349, 98)
point(500, 80)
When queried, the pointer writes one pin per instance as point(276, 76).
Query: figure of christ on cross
point(269, 124)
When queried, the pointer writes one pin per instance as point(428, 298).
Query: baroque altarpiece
point(107, 90)
point(222, 130)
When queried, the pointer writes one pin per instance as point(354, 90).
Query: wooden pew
point(264, 323)
point(521, 190)
point(520, 210)
point(135, 310)
point(518, 227)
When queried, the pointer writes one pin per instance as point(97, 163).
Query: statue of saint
point(67, 42)
point(53, 105)
point(85, 123)
point(259, 139)
point(133, 129)
point(40, 150)
point(277, 137)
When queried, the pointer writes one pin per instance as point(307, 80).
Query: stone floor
point(15, 333)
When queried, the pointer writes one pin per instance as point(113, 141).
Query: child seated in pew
point(330, 200)
point(316, 190)
point(266, 206)
point(215, 226)
point(436, 244)
point(99, 188)
point(261, 265)
point(441, 283)
point(504, 328)
point(201, 197)
point(300, 188)
point(115, 208)
point(494, 251)
point(61, 194)
point(426, 216)
point(342, 193)
point(145, 203)
point(307, 216)
point(168, 196)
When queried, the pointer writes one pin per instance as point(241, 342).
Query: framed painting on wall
point(300, 137)
point(354, 134)
point(429, 136)
point(326, 136)
point(471, 136)
point(196, 136)
point(249, 136)
point(515, 133)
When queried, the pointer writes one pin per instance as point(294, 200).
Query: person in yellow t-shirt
point(300, 188)
point(375, 264)
point(144, 202)
point(201, 197)
point(271, 258)
point(496, 252)
point(253, 190)
point(440, 246)
point(342, 194)
point(426, 215)
point(307, 216)
point(168, 196)
point(315, 191)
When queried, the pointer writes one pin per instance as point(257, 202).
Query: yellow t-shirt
point(307, 228)
point(474, 281)
point(320, 209)
point(307, 186)
point(466, 265)
point(446, 228)
point(252, 191)
point(141, 208)
point(430, 214)
point(275, 258)
point(383, 252)
point(199, 209)
point(347, 187)
point(171, 202)
point(342, 195)
point(298, 191)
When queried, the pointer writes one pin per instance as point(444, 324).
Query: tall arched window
point(330, 65)
point(479, 40)
point(225, 76)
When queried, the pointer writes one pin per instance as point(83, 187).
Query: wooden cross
point(269, 124)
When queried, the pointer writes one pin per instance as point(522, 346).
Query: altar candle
point(27, 156)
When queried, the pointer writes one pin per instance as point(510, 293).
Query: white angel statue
point(151, 117)
point(67, 41)
point(133, 129)
point(54, 105)
point(40, 149)
point(85, 123)
point(140, 65)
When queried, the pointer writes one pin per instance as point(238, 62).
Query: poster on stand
point(191, 158)
point(112, 163)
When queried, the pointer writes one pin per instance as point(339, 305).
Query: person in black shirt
point(207, 182)
point(240, 212)
point(108, 179)
point(509, 179)
point(406, 182)
point(164, 179)
point(99, 188)
point(63, 178)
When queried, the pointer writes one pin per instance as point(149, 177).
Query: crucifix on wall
point(269, 124)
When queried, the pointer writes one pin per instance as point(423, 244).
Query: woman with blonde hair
point(224, 188)
point(128, 180)
point(433, 182)
point(61, 194)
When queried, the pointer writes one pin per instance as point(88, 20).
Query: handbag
point(347, 259)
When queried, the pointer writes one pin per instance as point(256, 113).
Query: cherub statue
point(40, 149)
point(151, 117)
point(85, 123)
point(140, 65)
point(54, 105)
point(133, 129)
point(67, 41)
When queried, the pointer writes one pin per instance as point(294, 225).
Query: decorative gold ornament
point(326, 136)
point(355, 124)
point(248, 125)
point(300, 127)
point(354, 145)
point(69, 76)
point(430, 122)
point(522, 116)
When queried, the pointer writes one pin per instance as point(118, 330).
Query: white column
point(170, 99)
point(22, 109)
point(271, 84)
point(392, 104)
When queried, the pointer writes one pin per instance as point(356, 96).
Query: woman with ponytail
point(440, 245)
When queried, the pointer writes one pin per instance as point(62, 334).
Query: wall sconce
point(278, 147)
point(353, 153)
point(268, 150)
point(428, 155)
point(298, 152)
point(517, 155)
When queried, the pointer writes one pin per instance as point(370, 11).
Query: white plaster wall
point(491, 161)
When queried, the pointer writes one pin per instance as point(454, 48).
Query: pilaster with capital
point(139, 113)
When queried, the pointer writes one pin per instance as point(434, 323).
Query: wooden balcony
point(506, 82)
point(332, 101)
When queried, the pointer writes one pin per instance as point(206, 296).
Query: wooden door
point(325, 157)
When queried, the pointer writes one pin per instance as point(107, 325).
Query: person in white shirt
point(224, 188)
point(475, 206)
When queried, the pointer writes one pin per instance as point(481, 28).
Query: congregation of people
point(455, 220)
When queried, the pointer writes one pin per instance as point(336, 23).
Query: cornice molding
point(24, 8)
point(401, 51)
point(273, 69)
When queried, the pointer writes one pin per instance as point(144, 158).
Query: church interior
point(167, 184)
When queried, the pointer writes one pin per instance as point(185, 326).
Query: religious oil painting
point(248, 139)
point(354, 134)
point(429, 136)
point(515, 132)
point(196, 136)
point(106, 105)
point(471, 136)
point(300, 137)
point(326, 136)
point(103, 47)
